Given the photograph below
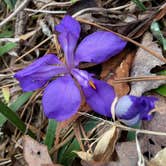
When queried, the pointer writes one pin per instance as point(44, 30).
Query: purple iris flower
point(131, 109)
point(62, 97)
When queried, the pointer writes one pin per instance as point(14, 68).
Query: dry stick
point(23, 5)
point(59, 4)
point(55, 148)
point(124, 127)
point(99, 9)
point(8, 85)
point(45, 11)
point(125, 38)
point(140, 78)
point(33, 48)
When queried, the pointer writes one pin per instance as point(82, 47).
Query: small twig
point(46, 11)
point(140, 78)
point(98, 9)
point(124, 127)
point(23, 4)
point(125, 38)
point(6, 75)
point(8, 160)
point(9, 40)
point(8, 85)
point(141, 160)
point(55, 148)
point(48, 38)
point(59, 4)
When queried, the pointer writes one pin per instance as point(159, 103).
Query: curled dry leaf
point(104, 149)
point(142, 65)
point(122, 70)
point(84, 155)
point(104, 141)
point(117, 67)
point(35, 154)
point(159, 159)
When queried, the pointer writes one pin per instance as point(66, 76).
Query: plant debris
point(113, 93)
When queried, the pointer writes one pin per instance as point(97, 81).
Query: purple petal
point(132, 109)
point(69, 30)
point(61, 98)
point(39, 72)
point(99, 95)
point(69, 24)
point(99, 47)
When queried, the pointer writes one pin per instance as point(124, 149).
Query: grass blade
point(161, 90)
point(10, 3)
point(7, 47)
point(50, 135)
point(16, 105)
point(140, 4)
point(21, 100)
point(14, 119)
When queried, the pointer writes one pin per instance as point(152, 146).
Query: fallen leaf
point(109, 67)
point(161, 13)
point(84, 155)
point(159, 159)
point(151, 144)
point(104, 150)
point(142, 65)
point(117, 67)
point(35, 153)
point(127, 154)
point(27, 35)
point(104, 141)
point(122, 89)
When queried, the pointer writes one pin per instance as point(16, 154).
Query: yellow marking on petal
point(92, 84)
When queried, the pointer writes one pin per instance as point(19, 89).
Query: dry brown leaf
point(142, 65)
point(104, 141)
point(116, 67)
point(84, 155)
point(161, 13)
point(122, 89)
point(110, 66)
point(35, 153)
point(159, 159)
point(104, 150)
point(27, 35)
point(127, 154)
point(152, 144)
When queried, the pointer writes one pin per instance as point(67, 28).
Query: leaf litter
point(96, 144)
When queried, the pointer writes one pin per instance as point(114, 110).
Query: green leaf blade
point(16, 105)
point(14, 119)
point(50, 135)
point(7, 47)
point(140, 4)
point(161, 90)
